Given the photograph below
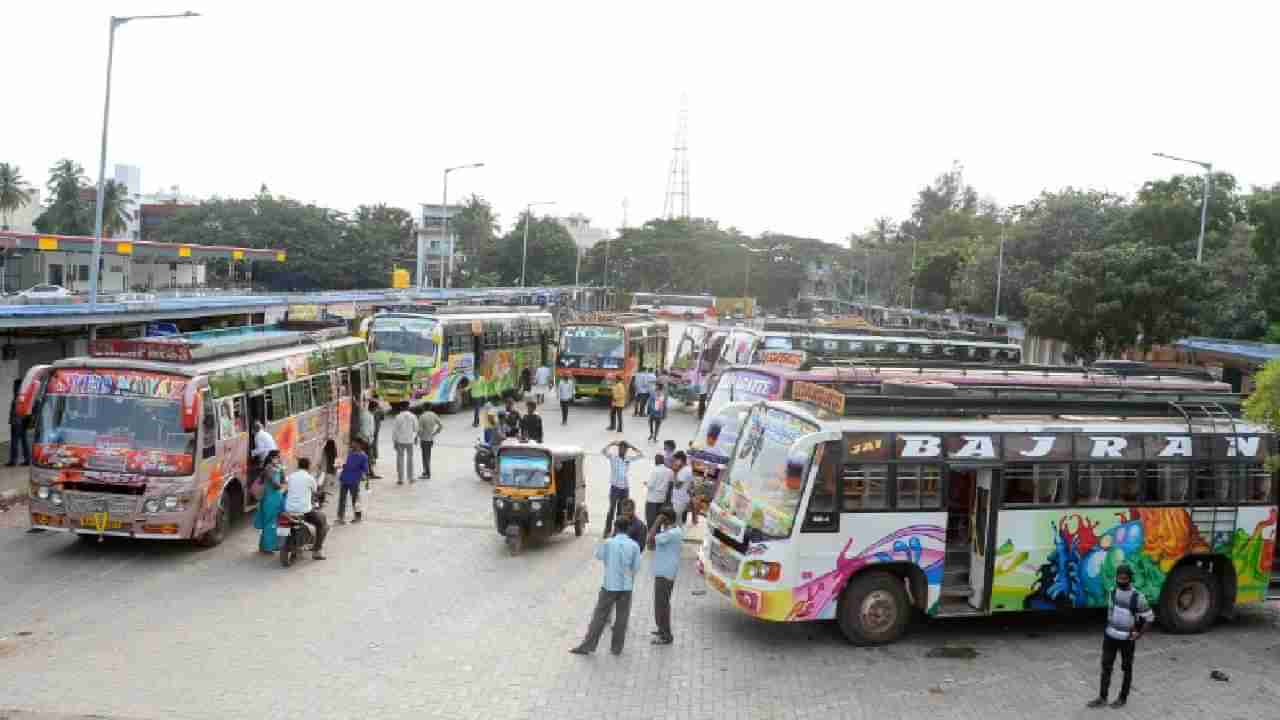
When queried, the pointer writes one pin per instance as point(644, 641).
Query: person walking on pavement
point(531, 423)
point(682, 488)
point(404, 432)
point(665, 538)
point(17, 430)
point(1127, 617)
point(565, 389)
point(657, 411)
point(489, 422)
point(621, 557)
point(353, 472)
point(668, 452)
point(620, 460)
point(658, 489)
point(301, 486)
point(644, 386)
point(618, 392)
point(542, 383)
point(429, 426)
point(376, 411)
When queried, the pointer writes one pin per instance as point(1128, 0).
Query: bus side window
point(209, 428)
point(321, 389)
point(277, 399)
point(919, 487)
point(344, 382)
point(823, 514)
point(864, 486)
point(226, 423)
point(1035, 483)
point(238, 423)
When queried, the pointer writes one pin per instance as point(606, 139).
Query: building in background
point(584, 235)
point(24, 218)
point(435, 251)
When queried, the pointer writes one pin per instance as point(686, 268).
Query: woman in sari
point(272, 502)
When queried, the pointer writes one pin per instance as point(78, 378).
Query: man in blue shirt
point(621, 557)
point(354, 471)
point(665, 538)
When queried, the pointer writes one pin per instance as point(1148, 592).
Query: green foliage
point(1263, 406)
point(475, 226)
point(551, 252)
point(15, 193)
point(116, 213)
point(67, 212)
point(1167, 212)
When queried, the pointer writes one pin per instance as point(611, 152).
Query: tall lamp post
point(1204, 202)
point(999, 272)
point(746, 270)
point(444, 237)
point(102, 155)
point(528, 217)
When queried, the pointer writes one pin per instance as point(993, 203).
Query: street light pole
point(524, 250)
point(102, 153)
point(444, 237)
point(999, 272)
point(1204, 201)
point(911, 301)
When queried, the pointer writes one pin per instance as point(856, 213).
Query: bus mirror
point(30, 389)
point(191, 397)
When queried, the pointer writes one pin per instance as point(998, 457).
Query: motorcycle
point(485, 461)
point(296, 537)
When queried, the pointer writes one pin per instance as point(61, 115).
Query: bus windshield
point(524, 471)
point(114, 420)
point(691, 344)
point(766, 476)
point(733, 386)
point(409, 336)
point(592, 346)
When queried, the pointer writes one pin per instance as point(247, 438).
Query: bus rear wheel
point(221, 523)
point(873, 609)
point(1189, 601)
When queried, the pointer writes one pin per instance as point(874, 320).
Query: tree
point(15, 193)
point(116, 204)
point(1103, 302)
point(551, 251)
point(67, 212)
point(476, 226)
point(1167, 212)
point(1263, 213)
point(1263, 406)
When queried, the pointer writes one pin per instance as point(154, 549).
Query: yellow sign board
point(304, 312)
point(237, 254)
point(281, 255)
point(124, 248)
point(184, 251)
point(399, 278)
point(822, 396)
point(47, 243)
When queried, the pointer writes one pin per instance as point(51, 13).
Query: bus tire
point(289, 551)
point(455, 404)
point(1189, 601)
point(873, 609)
point(221, 523)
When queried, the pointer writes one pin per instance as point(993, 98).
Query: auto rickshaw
point(539, 490)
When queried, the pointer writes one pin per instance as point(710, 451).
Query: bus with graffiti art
point(426, 355)
point(696, 354)
point(605, 345)
point(152, 438)
point(971, 502)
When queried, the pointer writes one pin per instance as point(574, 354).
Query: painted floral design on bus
point(127, 460)
point(1073, 558)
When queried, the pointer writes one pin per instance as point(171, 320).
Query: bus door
point(970, 532)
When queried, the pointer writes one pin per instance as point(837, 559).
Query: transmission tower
point(677, 202)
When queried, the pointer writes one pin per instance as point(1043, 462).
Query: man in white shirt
point(429, 426)
point(301, 485)
point(542, 383)
point(566, 390)
point(659, 486)
point(263, 443)
point(619, 484)
point(682, 488)
point(404, 432)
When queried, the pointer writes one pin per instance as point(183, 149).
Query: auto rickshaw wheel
point(515, 540)
point(579, 522)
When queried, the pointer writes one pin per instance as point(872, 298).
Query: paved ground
point(419, 612)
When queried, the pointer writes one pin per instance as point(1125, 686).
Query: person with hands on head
point(620, 455)
point(1128, 615)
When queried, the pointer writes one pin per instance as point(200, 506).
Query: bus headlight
point(761, 570)
point(55, 497)
point(497, 502)
point(535, 505)
point(42, 492)
point(152, 505)
point(171, 503)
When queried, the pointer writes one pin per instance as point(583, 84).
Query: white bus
point(973, 505)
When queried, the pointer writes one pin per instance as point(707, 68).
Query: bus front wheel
point(873, 609)
point(1189, 601)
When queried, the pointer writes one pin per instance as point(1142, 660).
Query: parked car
point(39, 292)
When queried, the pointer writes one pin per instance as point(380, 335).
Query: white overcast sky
point(807, 118)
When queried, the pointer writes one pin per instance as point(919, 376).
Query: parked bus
point(701, 308)
point(422, 355)
point(740, 387)
point(151, 438)
point(642, 302)
point(861, 510)
point(696, 355)
point(603, 345)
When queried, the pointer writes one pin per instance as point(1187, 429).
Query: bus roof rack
point(876, 365)
point(427, 309)
point(208, 344)
point(947, 400)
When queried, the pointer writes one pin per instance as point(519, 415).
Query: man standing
point(665, 538)
point(375, 410)
point(353, 471)
point(301, 486)
point(565, 390)
point(511, 419)
point(429, 426)
point(635, 526)
point(404, 432)
point(17, 430)
point(659, 487)
point(619, 484)
point(263, 443)
point(621, 558)
point(542, 381)
point(488, 421)
point(1126, 619)
point(682, 488)
point(643, 388)
point(618, 391)
point(657, 411)
point(531, 423)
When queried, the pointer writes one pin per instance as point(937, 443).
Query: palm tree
point(66, 177)
point(115, 208)
point(15, 193)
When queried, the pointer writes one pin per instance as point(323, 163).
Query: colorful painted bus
point(740, 387)
point(696, 355)
point(607, 344)
point(151, 438)
point(973, 504)
point(424, 355)
point(697, 308)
